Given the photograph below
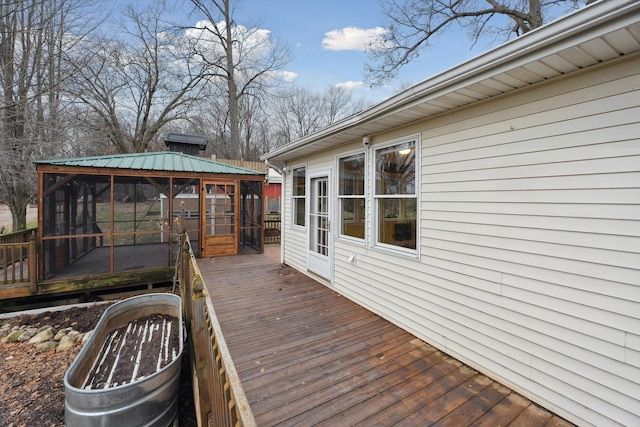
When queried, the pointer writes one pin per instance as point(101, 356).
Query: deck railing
point(18, 258)
point(18, 237)
point(271, 231)
point(218, 394)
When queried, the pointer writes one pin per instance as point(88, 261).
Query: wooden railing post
point(5, 264)
point(33, 264)
point(202, 361)
point(184, 277)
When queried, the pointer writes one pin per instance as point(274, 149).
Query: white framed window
point(298, 195)
point(351, 195)
point(395, 194)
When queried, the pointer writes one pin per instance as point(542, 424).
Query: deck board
point(308, 356)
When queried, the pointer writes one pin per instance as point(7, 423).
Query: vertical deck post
point(5, 263)
point(185, 277)
point(33, 264)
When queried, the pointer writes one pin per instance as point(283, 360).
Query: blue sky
point(326, 37)
point(325, 54)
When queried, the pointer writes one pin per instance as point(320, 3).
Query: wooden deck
point(308, 356)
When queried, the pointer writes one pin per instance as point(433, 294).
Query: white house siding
point(529, 266)
point(293, 240)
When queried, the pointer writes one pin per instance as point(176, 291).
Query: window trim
point(294, 198)
point(365, 197)
point(374, 197)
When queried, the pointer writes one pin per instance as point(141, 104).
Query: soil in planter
point(134, 351)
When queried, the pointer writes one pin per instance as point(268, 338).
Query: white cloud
point(351, 38)
point(288, 76)
point(350, 85)
point(256, 42)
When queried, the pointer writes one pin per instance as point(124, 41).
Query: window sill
point(397, 250)
point(352, 240)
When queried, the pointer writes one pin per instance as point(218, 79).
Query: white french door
point(320, 247)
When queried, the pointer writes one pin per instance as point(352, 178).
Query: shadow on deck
point(126, 258)
point(308, 356)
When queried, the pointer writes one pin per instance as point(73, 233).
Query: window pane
point(352, 214)
point(322, 198)
point(351, 175)
point(299, 211)
point(397, 228)
point(395, 192)
point(299, 190)
point(395, 169)
point(298, 182)
point(351, 185)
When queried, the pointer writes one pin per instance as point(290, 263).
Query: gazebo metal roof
point(164, 161)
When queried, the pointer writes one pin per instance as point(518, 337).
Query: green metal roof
point(165, 161)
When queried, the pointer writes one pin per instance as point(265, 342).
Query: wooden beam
point(57, 185)
point(112, 225)
point(33, 267)
point(88, 283)
point(158, 187)
point(101, 191)
point(185, 185)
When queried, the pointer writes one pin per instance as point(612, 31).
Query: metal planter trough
point(128, 372)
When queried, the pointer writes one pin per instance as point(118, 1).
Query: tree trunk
point(535, 14)
point(232, 87)
point(19, 209)
point(19, 219)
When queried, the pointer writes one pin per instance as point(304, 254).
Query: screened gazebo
point(123, 213)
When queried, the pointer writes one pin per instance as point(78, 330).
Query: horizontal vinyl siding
point(295, 249)
point(531, 243)
point(294, 239)
point(529, 264)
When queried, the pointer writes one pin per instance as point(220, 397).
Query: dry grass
point(6, 222)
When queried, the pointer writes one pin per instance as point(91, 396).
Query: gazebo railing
point(218, 394)
point(18, 237)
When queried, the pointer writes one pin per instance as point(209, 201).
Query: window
point(395, 194)
point(351, 195)
point(298, 196)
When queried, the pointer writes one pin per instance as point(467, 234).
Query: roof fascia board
point(539, 44)
point(596, 19)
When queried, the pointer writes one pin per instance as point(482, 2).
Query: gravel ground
point(32, 385)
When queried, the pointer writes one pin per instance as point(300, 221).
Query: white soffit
point(600, 32)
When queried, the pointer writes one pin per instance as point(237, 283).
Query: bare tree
point(255, 125)
point(338, 103)
point(244, 60)
point(298, 112)
point(212, 120)
point(262, 140)
point(33, 36)
point(414, 24)
point(134, 87)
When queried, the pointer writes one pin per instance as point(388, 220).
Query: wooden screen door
point(319, 254)
point(219, 219)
